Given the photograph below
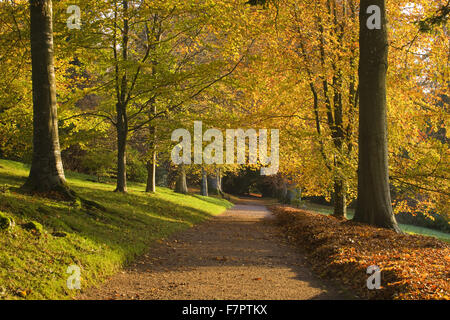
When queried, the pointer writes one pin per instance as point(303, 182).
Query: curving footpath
point(237, 255)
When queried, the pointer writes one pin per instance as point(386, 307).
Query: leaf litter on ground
point(412, 266)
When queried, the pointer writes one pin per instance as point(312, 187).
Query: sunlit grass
point(100, 243)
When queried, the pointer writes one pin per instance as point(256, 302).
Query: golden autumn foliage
point(296, 70)
point(303, 80)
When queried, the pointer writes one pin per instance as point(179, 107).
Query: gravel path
point(237, 255)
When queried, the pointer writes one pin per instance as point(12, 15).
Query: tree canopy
point(136, 70)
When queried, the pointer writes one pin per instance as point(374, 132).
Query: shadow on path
point(237, 255)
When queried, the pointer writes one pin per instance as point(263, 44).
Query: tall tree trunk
point(340, 190)
point(151, 174)
point(374, 199)
point(215, 183)
point(122, 133)
point(121, 107)
point(181, 184)
point(340, 198)
point(204, 187)
point(47, 173)
point(151, 165)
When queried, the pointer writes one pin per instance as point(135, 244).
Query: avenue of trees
point(358, 90)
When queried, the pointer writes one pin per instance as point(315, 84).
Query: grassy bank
point(34, 266)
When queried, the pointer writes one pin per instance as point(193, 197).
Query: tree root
point(62, 192)
point(89, 204)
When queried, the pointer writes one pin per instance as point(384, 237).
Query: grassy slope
point(405, 227)
point(100, 243)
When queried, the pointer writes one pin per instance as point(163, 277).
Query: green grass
point(327, 210)
point(100, 243)
point(425, 232)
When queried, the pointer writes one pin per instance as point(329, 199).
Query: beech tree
point(181, 184)
point(47, 173)
point(374, 204)
point(150, 67)
point(204, 183)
